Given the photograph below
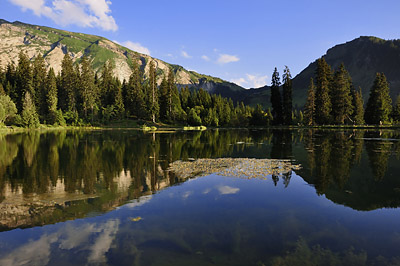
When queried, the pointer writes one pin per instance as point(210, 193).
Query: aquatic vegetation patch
point(233, 167)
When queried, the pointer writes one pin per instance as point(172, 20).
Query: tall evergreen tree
point(51, 94)
point(30, 118)
point(323, 105)
point(287, 105)
point(23, 80)
point(67, 92)
point(358, 103)
point(379, 105)
point(153, 106)
point(106, 84)
point(39, 79)
point(164, 101)
point(87, 89)
point(135, 98)
point(309, 108)
point(342, 106)
point(276, 100)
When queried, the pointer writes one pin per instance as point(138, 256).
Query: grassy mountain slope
point(54, 43)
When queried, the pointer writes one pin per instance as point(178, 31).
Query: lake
point(111, 198)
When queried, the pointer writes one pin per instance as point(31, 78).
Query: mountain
point(363, 58)
point(54, 43)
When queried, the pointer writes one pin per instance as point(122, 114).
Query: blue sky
point(240, 41)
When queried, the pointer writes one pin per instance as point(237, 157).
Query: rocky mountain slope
point(54, 43)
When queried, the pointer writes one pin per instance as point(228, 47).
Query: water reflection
point(57, 176)
point(135, 213)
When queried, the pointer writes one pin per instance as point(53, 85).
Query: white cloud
point(205, 58)
point(185, 55)
point(135, 46)
point(226, 58)
point(225, 190)
point(257, 81)
point(85, 13)
point(240, 81)
point(251, 81)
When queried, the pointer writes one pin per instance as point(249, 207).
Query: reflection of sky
point(224, 190)
point(211, 206)
point(91, 238)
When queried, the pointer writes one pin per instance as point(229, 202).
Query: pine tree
point(39, 79)
point(23, 79)
point(51, 96)
point(67, 92)
point(153, 106)
point(276, 101)
point(135, 98)
point(309, 108)
point(30, 118)
point(342, 106)
point(358, 103)
point(323, 105)
point(164, 101)
point(107, 94)
point(185, 95)
point(119, 107)
point(287, 96)
point(379, 105)
point(87, 89)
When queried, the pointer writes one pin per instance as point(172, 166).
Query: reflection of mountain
point(52, 177)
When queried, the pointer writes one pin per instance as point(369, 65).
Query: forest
point(30, 96)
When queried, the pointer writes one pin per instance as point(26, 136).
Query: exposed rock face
point(53, 44)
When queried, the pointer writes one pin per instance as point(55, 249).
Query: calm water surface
point(108, 198)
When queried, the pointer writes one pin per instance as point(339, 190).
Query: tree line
point(332, 99)
point(30, 95)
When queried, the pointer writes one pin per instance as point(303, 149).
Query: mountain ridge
point(54, 43)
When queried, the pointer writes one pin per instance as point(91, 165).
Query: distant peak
point(3, 21)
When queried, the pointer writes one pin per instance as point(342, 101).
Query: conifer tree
point(309, 108)
point(23, 79)
point(342, 106)
point(30, 118)
point(153, 94)
point(51, 96)
point(287, 105)
point(358, 103)
point(67, 92)
point(379, 105)
point(323, 105)
point(185, 95)
point(39, 79)
point(119, 107)
point(276, 100)
point(106, 86)
point(10, 83)
point(87, 89)
point(164, 101)
point(135, 98)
